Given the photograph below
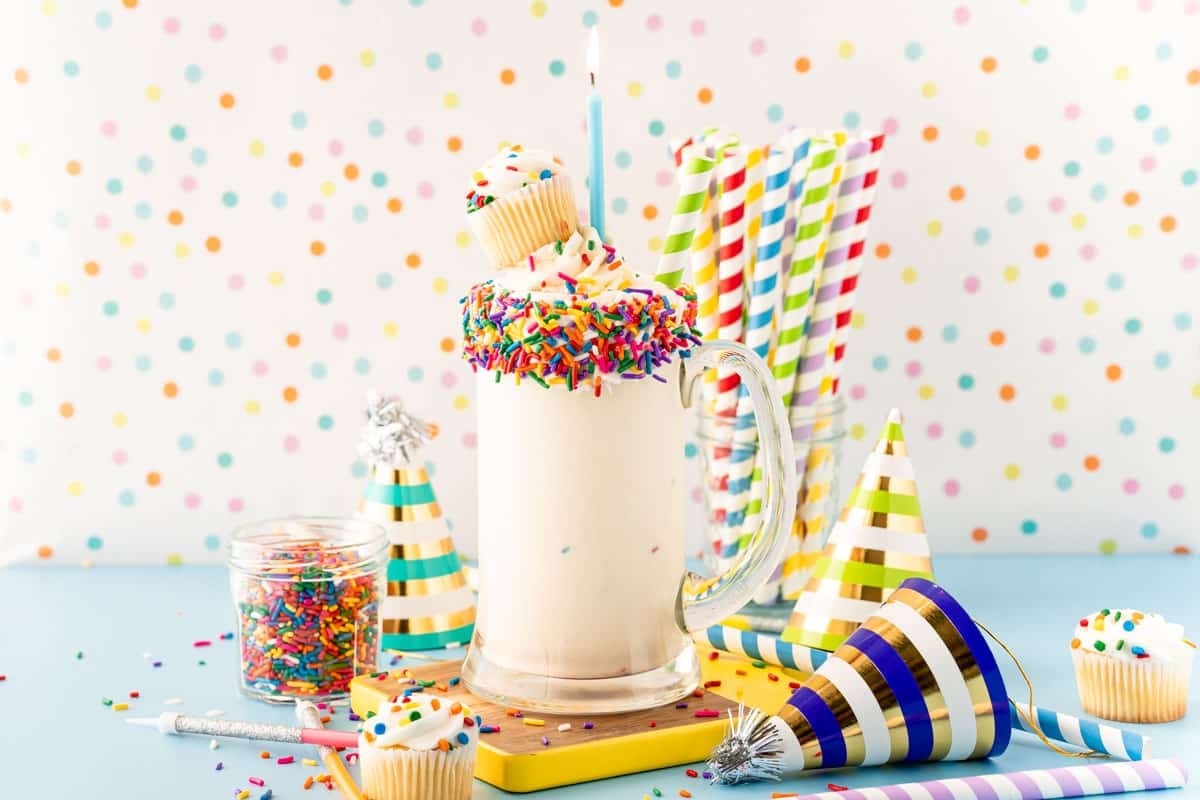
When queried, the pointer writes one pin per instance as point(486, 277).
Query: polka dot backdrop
point(221, 223)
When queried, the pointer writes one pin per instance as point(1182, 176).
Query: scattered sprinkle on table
point(202, 643)
point(173, 701)
point(213, 744)
point(741, 673)
point(714, 655)
point(308, 782)
point(135, 695)
point(653, 724)
point(707, 712)
point(706, 775)
point(264, 754)
point(771, 676)
point(105, 701)
point(587, 726)
point(308, 762)
point(537, 723)
point(545, 741)
point(711, 684)
point(243, 794)
point(79, 655)
point(120, 707)
point(489, 728)
point(691, 773)
point(698, 693)
point(657, 792)
point(758, 664)
point(156, 664)
point(214, 712)
point(257, 781)
point(286, 760)
point(220, 766)
point(833, 787)
point(267, 795)
point(793, 684)
point(681, 705)
point(684, 793)
point(566, 726)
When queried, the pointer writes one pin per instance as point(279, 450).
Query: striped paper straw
point(677, 145)
point(1086, 733)
point(796, 142)
point(756, 173)
point(1030, 784)
point(761, 647)
point(694, 178)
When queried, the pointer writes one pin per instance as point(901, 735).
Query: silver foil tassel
point(391, 436)
point(752, 751)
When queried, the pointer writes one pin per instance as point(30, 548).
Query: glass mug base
point(546, 694)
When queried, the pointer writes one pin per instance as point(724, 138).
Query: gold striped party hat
point(428, 603)
point(878, 542)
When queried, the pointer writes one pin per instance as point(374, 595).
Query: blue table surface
point(60, 741)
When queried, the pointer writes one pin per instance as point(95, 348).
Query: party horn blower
point(173, 723)
point(428, 603)
point(1032, 784)
point(916, 682)
point(694, 177)
point(878, 542)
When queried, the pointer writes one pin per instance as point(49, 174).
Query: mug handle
point(707, 601)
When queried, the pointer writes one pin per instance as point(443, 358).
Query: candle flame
point(593, 53)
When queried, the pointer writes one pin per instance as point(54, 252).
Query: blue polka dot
point(415, 374)
point(1115, 281)
point(879, 363)
point(674, 69)
point(1104, 145)
point(192, 73)
point(378, 180)
point(299, 120)
point(982, 236)
point(94, 542)
point(384, 280)
point(622, 159)
point(362, 366)
point(1063, 482)
point(375, 128)
point(1182, 321)
point(60, 220)
point(29, 455)
point(590, 18)
point(1163, 51)
point(1161, 135)
point(178, 133)
point(1041, 53)
point(656, 127)
point(1087, 345)
point(113, 186)
point(690, 450)
point(1014, 205)
point(25, 399)
point(145, 164)
point(358, 469)
point(620, 205)
point(1166, 444)
point(774, 112)
point(359, 213)
point(966, 439)
point(104, 20)
point(1098, 192)
point(142, 210)
point(433, 61)
point(166, 301)
point(126, 497)
point(1058, 290)
point(950, 333)
point(185, 442)
point(912, 51)
point(142, 363)
point(1126, 426)
point(325, 422)
point(1149, 530)
point(1162, 360)
point(233, 340)
point(557, 67)
point(110, 308)
point(187, 344)
point(1029, 527)
point(70, 69)
point(279, 199)
point(229, 199)
point(216, 378)
point(1133, 325)
point(1071, 169)
point(324, 296)
point(966, 382)
point(851, 119)
point(1141, 112)
point(212, 542)
point(1077, 6)
point(1188, 177)
point(199, 156)
point(318, 370)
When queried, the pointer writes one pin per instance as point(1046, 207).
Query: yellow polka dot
point(908, 275)
point(367, 58)
point(460, 402)
point(1078, 221)
point(275, 278)
point(144, 326)
point(634, 89)
point(390, 330)
point(440, 285)
point(75, 488)
point(503, 145)
point(450, 100)
point(1012, 471)
point(654, 243)
point(153, 93)
point(1121, 73)
point(858, 320)
point(62, 290)
point(929, 89)
point(1196, 390)
point(982, 137)
point(328, 188)
point(1011, 273)
point(182, 250)
point(119, 420)
point(252, 407)
point(857, 431)
point(23, 150)
point(257, 148)
point(538, 9)
point(125, 239)
point(1134, 231)
point(462, 239)
point(933, 228)
point(174, 559)
point(925, 391)
point(1059, 402)
point(845, 49)
point(1090, 307)
point(49, 7)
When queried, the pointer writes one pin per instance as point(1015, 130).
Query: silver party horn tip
point(752, 751)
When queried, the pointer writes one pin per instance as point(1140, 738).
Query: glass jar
point(307, 594)
point(733, 498)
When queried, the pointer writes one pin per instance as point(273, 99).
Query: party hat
point(877, 543)
point(428, 603)
point(915, 682)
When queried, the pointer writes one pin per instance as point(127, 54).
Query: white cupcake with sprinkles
point(1132, 666)
point(418, 747)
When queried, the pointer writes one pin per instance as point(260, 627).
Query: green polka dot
point(1107, 547)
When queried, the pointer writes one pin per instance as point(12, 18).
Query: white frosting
point(511, 169)
point(1132, 635)
point(438, 719)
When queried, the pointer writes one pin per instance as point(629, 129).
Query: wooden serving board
point(515, 760)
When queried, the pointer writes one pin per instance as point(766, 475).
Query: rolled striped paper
point(1086, 733)
point(694, 177)
point(1032, 784)
point(797, 142)
point(760, 647)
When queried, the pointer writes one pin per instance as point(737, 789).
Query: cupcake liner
point(1146, 690)
point(513, 226)
point(396, 774)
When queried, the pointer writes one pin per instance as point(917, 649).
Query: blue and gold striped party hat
point(878, 542)
point(428, 603)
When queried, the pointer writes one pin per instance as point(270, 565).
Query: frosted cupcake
point(1131, 666)
point(418, 748)
point(520, 200)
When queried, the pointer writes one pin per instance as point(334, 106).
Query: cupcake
point(521, 200)
point(418, 748)
point(1131, 666)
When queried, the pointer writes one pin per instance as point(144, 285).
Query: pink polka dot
point(316, 212)
point(336, 147)
point(187, 183)
point(899, 179)
point(191, 500)
point(108, 128)
point(1147, 163)
point(1087, 252)
point(934, 430)
point(279, 54)
point(890, 126)
point(858, 391)
point(1145, 5)
point(1191, 7)
point(1130, 486)
point(171, 25)
point(479, 26)
point(236, 283)
point(698, 27)
point(1058, 440)
point(291, 444)
point(469, 440)
point(1188, 262)
point(1046, 345)
point(102, 222)
point(216, 31)
point(138, 270)
point(962, 15)
point(913, 369)
point(654, 23)
point(971, 284)
point(340, 331)
point(696, 495)
point(1175, 491)
point(1071, 111)
point(259, 368)
point(119, 457)
point(236, 504)
point(758, 46)
point(104, 363)
point(449, 379)
point(951, 488)
point(664, 177)
point(414, 135)
point(26, 298)
point(425, 189)
point(15, 505)
point(1057, 204)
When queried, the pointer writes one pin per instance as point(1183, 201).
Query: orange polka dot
point(395, 205)
point(21, 75)
point(153, 478)
point(1113, 372)
point(317, 248)
point(1007, 392)
point(5, 205)
point(929, 133)
point(913, 334)
point(616, 3)
point(957, 193)
point(705, 95)
point(988, 64)
point(996, 338)
point(175, 217)
point(130, 3)
point(979, 535)
point(508, 77)
point(1193, 76)
point(650, 211)
point(295, 158)
point(66, 410)
point(91, 268)
point(170, 389)
point(883, 250)
point(1033, 152)
point(54, 355)
point(1167, 223)
point(292, 339)
point(1091, 463)
point(74, 167)
point(1041, 250)
point(1130, 198)
point(45, 551)
point(227, 100)
point(351, 172)
point(454, 144)
point(290, 394)
point(802, 65)
point(412, 260)
point(212, 244)
point(447, 345)
point(324, 72)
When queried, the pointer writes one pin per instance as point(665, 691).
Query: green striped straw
point(694, 176)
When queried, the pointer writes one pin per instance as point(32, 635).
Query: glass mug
point(584, 601)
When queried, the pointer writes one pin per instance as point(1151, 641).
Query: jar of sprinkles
point(306, 592)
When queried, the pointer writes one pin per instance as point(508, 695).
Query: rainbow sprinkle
point(575, 341)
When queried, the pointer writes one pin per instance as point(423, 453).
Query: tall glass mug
point(584, 601)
